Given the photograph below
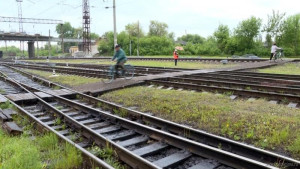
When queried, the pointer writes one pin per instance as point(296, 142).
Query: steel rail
point(194, 147)
point(244, 85)
point(96, 161)
point(264, 75)
point(248, 93)
point(188, 132)
point(271, 81)
point(163, 59)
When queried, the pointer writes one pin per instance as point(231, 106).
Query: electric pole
point(20, 23)
point(138, 42)
point(86, 23)
point(115, 24)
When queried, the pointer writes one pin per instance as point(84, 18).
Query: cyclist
point(120, 57)
point(274, 48)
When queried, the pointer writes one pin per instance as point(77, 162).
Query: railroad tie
point(12, 128)
point(205, 164)
point(122, 135)
point(150, 149)
point(273, 102)
point(160, 87)
point(134, 141)
point(292, 105)
point(173, 159)
point(233, 97)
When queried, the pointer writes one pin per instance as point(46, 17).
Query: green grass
point(273, 127)
point(6, 105)
point(169, 64)
point(44, 152)
point(108, 155)
point(2, 91)
point(68, 80)
point(288, 68)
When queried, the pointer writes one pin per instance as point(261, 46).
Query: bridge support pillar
point(31, 50)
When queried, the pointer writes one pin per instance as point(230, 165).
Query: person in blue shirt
point(120, 57)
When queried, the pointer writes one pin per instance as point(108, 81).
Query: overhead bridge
point(35, 38)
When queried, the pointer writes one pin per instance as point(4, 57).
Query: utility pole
point(138, 40)
point(115, 24)
point(49, 45)
point(20, 22)
point(130, 46)
point(37, 45)
point(62, 38)
point(86, 24)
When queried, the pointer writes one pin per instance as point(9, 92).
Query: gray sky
point(183, 16)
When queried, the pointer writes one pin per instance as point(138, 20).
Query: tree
point(209, 47)
point(274, 24)
point(71, 32)
point(222, 36)
point(77, 33)
point(134, 29)
point(66, 29)
point(171, 35)
point(291, 33)
point(193, 38)
point(106, 44)
point(246, 31)
point(94, 36)
point(156, 45)
point(157, 28)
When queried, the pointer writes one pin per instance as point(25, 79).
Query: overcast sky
point(183, 16)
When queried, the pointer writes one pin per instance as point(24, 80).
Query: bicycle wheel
point(129, 72)
point(282, 56)
point(110, 75)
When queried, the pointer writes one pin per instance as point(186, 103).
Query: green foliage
point(274, 24)
point(134, 30)
point(222, 37)
point(246, 31)
point(6, 105)
point(12, 51)
point(19, 153)
point(67, 31)
point(68, 80)
point(288, 68)
point(156, 45)
point(107, 153)
point(275, 127)
point(43, 152)
point(157, 28)
point(192, 38)
point(209, 47)
point(290, 37)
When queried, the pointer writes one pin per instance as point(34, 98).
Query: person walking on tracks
point(175, 55)
point(120, 57)
point(274, 48)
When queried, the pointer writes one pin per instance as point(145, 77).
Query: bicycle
point(279, 55)
point(112, 73)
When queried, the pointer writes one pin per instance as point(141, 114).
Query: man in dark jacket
point(120, 57)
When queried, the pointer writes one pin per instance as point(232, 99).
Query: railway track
point(197, 136)
point(91, 71)
point(137, 145)
point(37, 118)
point(166, 59)
point(276, 88)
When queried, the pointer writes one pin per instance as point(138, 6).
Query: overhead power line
point(30, 20)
